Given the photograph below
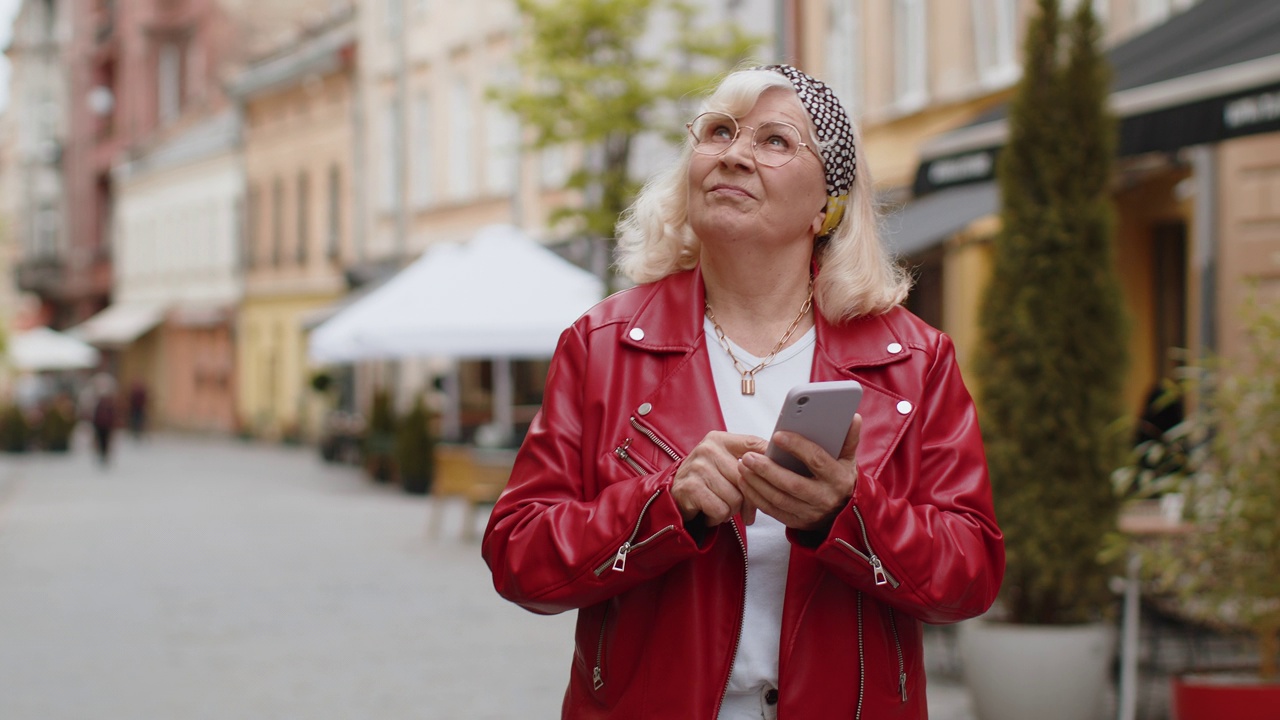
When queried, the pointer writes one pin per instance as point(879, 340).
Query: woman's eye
point(721, 132)
point(778, 142)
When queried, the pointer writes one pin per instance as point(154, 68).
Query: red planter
point(1217, 696)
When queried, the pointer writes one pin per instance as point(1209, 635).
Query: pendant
point(748, 384)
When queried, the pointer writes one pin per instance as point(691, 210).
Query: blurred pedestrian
point(104, 415)
point(138, 409)
point(642, 491)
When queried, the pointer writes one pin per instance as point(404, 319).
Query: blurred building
point(176, 240)
point(440, 159)
point(1195, 88)
point(154, 192)
point(299, 111)
point(33, 133)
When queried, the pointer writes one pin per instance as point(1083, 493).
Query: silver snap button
point(645, 409)
point(894, 348)
point(904, 407)
point(637, 334)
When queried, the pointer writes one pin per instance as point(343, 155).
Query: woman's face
point(732, 196)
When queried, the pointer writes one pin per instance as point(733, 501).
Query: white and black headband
point(835, 131)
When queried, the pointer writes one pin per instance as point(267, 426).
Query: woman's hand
point(799, 502)
point(708, 480)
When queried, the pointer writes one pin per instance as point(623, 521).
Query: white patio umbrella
point(502, 295)
point(44, 349)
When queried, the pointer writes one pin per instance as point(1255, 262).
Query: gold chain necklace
point(749, 374)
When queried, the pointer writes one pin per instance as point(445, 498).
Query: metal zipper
point(656, 441)
point(742, 612)
point(883, 577)
point(902, 665)
point(619, 561)
point(862, 663)
point(597, 673)
point(624, 456)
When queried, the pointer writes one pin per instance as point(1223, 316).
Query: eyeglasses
point(773, 144)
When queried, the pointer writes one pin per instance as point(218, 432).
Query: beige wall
point(1249, 224)
point(303, 129)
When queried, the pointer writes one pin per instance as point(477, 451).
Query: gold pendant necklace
point(749, 374)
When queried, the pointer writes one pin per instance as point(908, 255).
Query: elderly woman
point(709, 581)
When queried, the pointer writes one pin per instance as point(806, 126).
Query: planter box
point(1212, 696)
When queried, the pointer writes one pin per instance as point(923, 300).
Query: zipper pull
point(876, 567)
point(620, 561)
point(902, 685)
point(595, 677)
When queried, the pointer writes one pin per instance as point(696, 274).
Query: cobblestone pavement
point(211, 579)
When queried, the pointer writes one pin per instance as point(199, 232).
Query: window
point(461, 141)
point(910, 54)
point(1099, 9)
point(169, 83)
point(502, 131)
point(303, 207)
point(554, 167)
point(390, 174)
point(844, 53)
point(252, 236)
point(242, 226)
point(995, 41)
point(394, 17)
point(423, 167)
point(333, 244)
point(277, 222)
point(45, 231)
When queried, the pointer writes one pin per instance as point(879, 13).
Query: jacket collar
point(670, 319)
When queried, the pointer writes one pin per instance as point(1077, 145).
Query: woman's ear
point(819, 220)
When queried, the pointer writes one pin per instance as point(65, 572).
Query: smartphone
point(822, 412)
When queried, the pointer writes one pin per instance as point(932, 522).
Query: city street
point(214, 579)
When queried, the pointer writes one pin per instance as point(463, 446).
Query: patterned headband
point(835, 131)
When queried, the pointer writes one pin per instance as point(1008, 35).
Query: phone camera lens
point(802, 400)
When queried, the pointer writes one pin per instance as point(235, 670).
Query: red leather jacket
point(588, 523)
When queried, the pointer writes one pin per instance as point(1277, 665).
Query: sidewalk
point(209, 578)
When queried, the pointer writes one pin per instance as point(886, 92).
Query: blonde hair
point(857, 275)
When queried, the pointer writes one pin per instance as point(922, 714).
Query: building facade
point(34, 135)
point(176, 275)
point(299, 109)
point(930, 80)
point(442, 159)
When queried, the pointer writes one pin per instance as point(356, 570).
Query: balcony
point(44, 276)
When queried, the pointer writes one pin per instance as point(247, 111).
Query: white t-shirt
point(755, 667)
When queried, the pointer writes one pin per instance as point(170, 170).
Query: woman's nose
point(741, 151)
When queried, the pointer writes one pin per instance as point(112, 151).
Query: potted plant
point(415, 449)
point(56, 427)
point(1050, 369)
point(15, 431)
point(1224, 462)
point(379, 439)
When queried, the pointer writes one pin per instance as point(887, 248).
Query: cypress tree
point(1052, 360)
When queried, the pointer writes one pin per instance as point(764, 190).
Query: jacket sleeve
point(560, 537)
point(933, 550)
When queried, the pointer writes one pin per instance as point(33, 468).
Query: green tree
point(1052, 360)
point(591, 80)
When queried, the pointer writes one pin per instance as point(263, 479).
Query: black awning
point(1216, 68)
point(926, 221)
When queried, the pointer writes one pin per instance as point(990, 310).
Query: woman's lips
point(732, 190)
